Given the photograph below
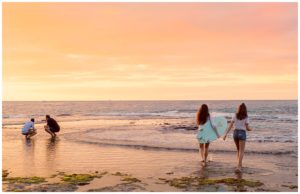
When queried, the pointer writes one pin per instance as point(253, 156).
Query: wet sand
point(118, 168)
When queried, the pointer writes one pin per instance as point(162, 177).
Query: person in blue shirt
point(28, 129)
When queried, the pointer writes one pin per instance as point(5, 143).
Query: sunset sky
point(149, 51)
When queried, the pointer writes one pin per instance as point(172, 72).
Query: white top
point(27, 126)
point(240, 124)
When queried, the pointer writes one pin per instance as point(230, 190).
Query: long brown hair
point(202, 114)
point(242, 112)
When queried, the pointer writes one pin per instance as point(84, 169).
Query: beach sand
point(72, 164)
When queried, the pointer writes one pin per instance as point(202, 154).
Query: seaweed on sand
point(129, 179)
point(54, 187)
point(5, 173)
point(120, 174)
point(69, 182)
point(123, 187)
point(26, 180)
point(240, 182)
point(78, 179)
point(126, 177)
point(187, 182)
point(291, 186)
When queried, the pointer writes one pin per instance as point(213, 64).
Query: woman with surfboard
point(241, 124)
point(203, 119)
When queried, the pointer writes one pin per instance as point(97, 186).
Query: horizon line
point(143, 100)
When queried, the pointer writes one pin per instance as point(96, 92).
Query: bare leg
point(31, 134)
point(241, 153)
point(237, 144)
point(206, 153)
point(201, 152)
point(48, 131)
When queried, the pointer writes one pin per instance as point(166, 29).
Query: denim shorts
point(239, 134)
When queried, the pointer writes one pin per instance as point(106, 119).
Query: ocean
point(162, 124)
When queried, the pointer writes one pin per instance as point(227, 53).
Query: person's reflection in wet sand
point(239, 175)
point(52, 145)
point(241, 188)
point(203, 173)
point(28, 154)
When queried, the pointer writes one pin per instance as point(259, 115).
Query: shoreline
point(168, 171)
point(157, 170)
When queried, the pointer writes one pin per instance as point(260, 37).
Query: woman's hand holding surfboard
point(218, 135)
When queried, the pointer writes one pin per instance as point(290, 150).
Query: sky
point(149, 51)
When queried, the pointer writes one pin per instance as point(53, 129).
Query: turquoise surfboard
point(207, 134)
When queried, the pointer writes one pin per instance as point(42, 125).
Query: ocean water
point(162, 124)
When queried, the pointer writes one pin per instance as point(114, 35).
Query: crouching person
point(52, 127)
point(28, 129)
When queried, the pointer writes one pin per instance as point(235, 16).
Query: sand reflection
point(52, 145)
point(28, 153)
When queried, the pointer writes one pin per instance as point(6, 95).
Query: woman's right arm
point(227, 131)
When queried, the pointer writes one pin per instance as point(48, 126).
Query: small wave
point(131, 139)
point(281, 118)
point(161, 148)
point(169, 113)
point(180, 113)
point(64, 115)
point(273, 141)
point(15, 116)
point(174, 113)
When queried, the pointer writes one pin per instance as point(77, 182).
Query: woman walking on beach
point(202, 117)
point(241, 124)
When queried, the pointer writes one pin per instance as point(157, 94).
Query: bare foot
point(203, 163)
point(238, 169)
